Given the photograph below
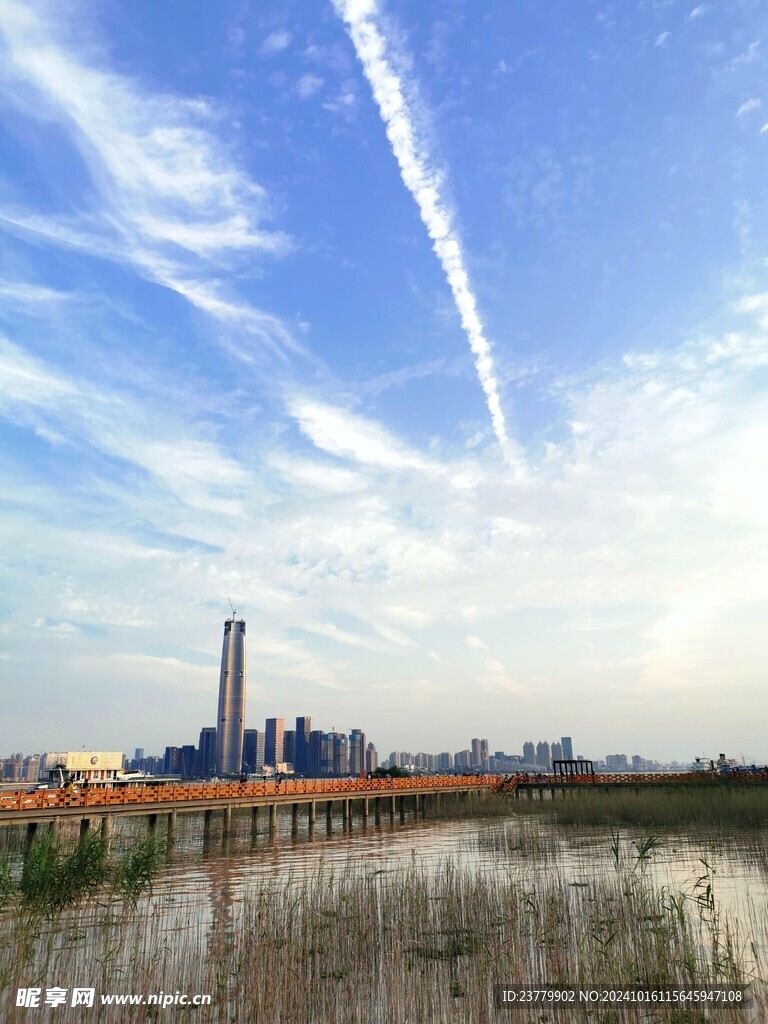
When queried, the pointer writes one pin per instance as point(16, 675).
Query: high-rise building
point(315, 753)
point(188, 761)
point(340, 754)
point(273, 741)
point(543, 756)
point(303, 732)
point(326, 753)
point(229, 724)
point(172, 761)
point(557, 751)
point(529, 753)
point(206, 752)
point(356, 751)
point(289, 747)
point(138, 754)
point(475, 762)
point(567, 746)
point(371, 758)
point(250, 746)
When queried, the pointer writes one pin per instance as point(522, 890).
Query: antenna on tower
point(234, 610)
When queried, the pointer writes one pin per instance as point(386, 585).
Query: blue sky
point(431, 334)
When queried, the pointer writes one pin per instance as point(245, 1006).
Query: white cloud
point(747, 105)
point(170, 194)
point(662, 38)
point(308, 85)
point(424, 183)
point(276, 42)
point(698, 12)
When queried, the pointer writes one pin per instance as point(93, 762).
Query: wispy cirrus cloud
point(425, 185)
point(170, 201)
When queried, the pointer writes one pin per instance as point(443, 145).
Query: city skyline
point(432, 334)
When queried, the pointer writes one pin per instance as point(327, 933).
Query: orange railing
point(18, 800)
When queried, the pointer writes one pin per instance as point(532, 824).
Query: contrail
point(423, 182)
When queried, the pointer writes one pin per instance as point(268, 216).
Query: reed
point(711, 807)
point(407, 945)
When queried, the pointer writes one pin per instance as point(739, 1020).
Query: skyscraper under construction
point(229, 724)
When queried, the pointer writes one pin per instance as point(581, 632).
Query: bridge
point(101, 805)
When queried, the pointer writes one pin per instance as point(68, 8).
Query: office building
point(206, 752)
point(303, 732)
point(356, 752)
point(557, 752)
point(567, 746)
point(529, 753)
point(371, 758)
point(172, 761)
point(315, 753)
point(250, 745)
point(340, 754)
point(138, 754)
point(229, 724)
point(289, 747)
point(273, 741)
point(188, 761)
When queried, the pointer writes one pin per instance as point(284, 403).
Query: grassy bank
point(708, 807)
point(383, 947)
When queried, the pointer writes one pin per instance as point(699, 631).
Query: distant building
point(273, 741)
point(567, 745)
point(303, 733)
point(639, 764)
point(462, 759)
point(188, 761)
point(250, 747)
point(543, 758)
point(138, 754)
point(616, 762)
point(289, 746)
point(444, 762)
point(340, 754)
point(206, 752)
point(356, 751)
point(371, 758)
point(229, 724)
point(172, 761)
point(557, 752)
point(529, 753)
point(315, 753)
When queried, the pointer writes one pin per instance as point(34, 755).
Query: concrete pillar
point(228, 820)
point(365, 811)
point(272, 818)
point(529, 791)
point(294, 819)
point(311, 809)
point(347, 813)
point(53, 826)
point(207, 822)
point(29, 838)
point(402, 809)
point(254, 821)
point(106, 826)
point(377, 810)
point(171, 826)
point(151, 822)
point(392, 807)
point(416, 805)
point(329, 815)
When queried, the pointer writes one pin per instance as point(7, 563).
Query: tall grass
point(657, 806)
point(360, 945)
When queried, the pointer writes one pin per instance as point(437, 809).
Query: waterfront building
point(289, 747)
point(229, 724)
point(315, 752)
point(188, 761)
point(371, 758)
point(567, 745)
point(529, 753)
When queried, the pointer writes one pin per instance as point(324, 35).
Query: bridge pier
point(365, 811)
point(402, 809)
point(329, 816)
point(311, 813)
point(254, 821)
point(29, 838)
point(294, 819)
point(151, 823)
point(85, 824)
point(272, 818)
point(171, 835)
point(392, 808)
point(377, 810)
point(207, 822)
point(416, 806)
point(106, 828)
point(227, 821)
point(347, 813)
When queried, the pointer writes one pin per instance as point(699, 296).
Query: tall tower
point(229, 724)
